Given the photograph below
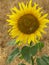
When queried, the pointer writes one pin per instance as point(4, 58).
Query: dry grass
point(5, 50)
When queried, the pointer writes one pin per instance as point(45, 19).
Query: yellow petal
point(25, 37)
point(33, 37)
point(43, 26)
point(41, 30)
point(30, 3)
point(23, 5)
point(13, 33)
point(15, 9)
point(39, 9)
point(38, 33)
point(29, 40)
point(46, 20)
point(20, 37)
point(20, 6)
point(44, 16)
point(40, 14)
point(35, 5)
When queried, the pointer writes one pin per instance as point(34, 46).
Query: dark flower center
point(28, 24)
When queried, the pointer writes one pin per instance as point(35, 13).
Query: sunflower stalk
point(31, 56)
point(32, 60)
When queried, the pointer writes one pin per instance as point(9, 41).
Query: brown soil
point(5, 50)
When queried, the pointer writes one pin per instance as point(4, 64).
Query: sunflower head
point(27, 22)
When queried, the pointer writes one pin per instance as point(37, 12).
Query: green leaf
point(21, 64)
point(26, 53)
point(33, 50)
point(40, 45)
point(40, 61)
point(21, 57)
point(46, 59)
point(13, 42)
point(14, 53)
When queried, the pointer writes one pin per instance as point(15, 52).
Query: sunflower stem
point(32, 60)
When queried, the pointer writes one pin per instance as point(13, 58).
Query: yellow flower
point(27, 22)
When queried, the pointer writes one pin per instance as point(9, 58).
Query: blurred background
point(5, 50)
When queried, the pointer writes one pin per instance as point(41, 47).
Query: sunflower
point(27, 23)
